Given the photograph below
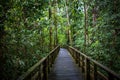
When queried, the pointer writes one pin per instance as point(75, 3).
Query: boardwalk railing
point(92, 69)
point(41, 69)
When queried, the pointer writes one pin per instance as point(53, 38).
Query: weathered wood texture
point(65, 68)
point(41, 69)
point(91, 68)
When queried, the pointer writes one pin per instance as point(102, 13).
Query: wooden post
point(40, 74)
point(74, 54)
point(76, 57)
point(52, 57)
point(45, 74)
point(87, 69)
point(79, 60)
point(83, 64)
point(110, 76)
point(71, 51)
point(95, 71)
point(48, 62)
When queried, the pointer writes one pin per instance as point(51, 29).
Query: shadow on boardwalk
point(65, 68)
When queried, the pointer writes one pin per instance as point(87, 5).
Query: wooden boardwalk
point(65, 68)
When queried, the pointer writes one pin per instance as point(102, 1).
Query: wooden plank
point(65, 68)
point(102, 67)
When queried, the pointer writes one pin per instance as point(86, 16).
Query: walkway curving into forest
point(65, 68)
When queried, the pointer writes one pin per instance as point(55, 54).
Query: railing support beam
point(87, 70)
point(91, 68)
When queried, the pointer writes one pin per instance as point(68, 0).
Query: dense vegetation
point(29, 29)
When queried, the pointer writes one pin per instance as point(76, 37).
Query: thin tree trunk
point(94, 16)
point(68, 25)
point(85, 27)
point(50, 30)
point(55, 23)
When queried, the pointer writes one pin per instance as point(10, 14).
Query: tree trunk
point(85, 22)
point(85, 26)
point(50, 29)
point(69, 40)
point(55, 23)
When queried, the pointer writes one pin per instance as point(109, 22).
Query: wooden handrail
point(86, 63)
point(41, 69)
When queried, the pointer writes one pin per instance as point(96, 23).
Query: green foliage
point(102, 30)
point(25, 32)
point(25, 26)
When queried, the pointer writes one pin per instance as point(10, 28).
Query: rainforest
point(30, 29)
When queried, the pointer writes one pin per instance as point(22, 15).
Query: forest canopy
point(29, 29)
